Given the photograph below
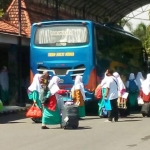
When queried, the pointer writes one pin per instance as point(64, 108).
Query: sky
point(140, 15)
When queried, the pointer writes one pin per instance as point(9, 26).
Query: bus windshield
point(61, 35)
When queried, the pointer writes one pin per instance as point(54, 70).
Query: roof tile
point(31, 12)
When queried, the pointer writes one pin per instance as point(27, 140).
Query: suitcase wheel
point(75, 127)
point(62, 127)
point(144, 115)
point(36, 120)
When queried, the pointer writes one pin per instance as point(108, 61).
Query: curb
point(13, 111)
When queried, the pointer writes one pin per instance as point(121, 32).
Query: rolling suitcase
point(70, 117)
point(146, 109)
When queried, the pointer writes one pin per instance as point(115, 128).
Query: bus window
point(114, 46)
point(61, 35)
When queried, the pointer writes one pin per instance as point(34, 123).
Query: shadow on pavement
point(93, 118)
point(7, 119)
point(132, 117)
point(79, 128)
point(129, 120)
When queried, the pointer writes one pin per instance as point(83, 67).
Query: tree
point(143, 33)
point(3, 6)
point(124, 22)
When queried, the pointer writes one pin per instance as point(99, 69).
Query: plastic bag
point(34, 112)
point(140, 101)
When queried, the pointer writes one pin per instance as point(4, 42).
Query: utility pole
point(19, 56)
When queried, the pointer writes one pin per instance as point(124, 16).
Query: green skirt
point(51, 117)
point(133, 99)
point(4, 96)
point(101, 102)
point(35, 96)
point(81, 111)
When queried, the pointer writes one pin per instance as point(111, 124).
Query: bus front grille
point(77, 70)
point(60, 71)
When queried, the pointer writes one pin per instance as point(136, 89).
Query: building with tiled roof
point(31, 11)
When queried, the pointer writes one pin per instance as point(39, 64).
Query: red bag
point(34, 112)
point(98, 92)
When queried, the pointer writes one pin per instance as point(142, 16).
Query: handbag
point(34, 112)
point(98, 92)
point(107, 105)
point(140, 101)
point(122, 103)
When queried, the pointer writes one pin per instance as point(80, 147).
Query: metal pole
point(57, 13)
point(19, 56)
point(83, 16)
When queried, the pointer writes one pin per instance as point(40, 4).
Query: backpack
point(133, 88)
point(98, 92)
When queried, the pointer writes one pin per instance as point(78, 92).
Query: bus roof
point(116, 28)
point(60, 21)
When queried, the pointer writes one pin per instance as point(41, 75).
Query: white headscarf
point(53, 85)
point(4, 81)
point(131, 77)
point(139, 79)
point(121, 85)
point(103, 83)
point(35, 85)
point(78, 85)
point(146, 85)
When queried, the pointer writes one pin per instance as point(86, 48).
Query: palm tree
point(125, 22)
point(142, 31)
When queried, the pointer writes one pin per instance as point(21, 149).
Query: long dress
point(78, 98)
point(4, 87)
point(53, 109)
point(101, 102)
point(132, 103)
point(34, 96)
point(81, 110)
point(78, 95)
point(51, 113)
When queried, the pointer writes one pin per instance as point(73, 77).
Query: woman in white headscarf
point(34, 90)
point(145, 89)
point(34, 94)
point(132, 88)
point(145, 93)
point(51, 113)
point(78, 95)
point(4, 82)
point(139, 79)
point(121, 86)
point(101, 102)
point(121, 90)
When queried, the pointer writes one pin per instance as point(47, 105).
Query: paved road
point(19, 133)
